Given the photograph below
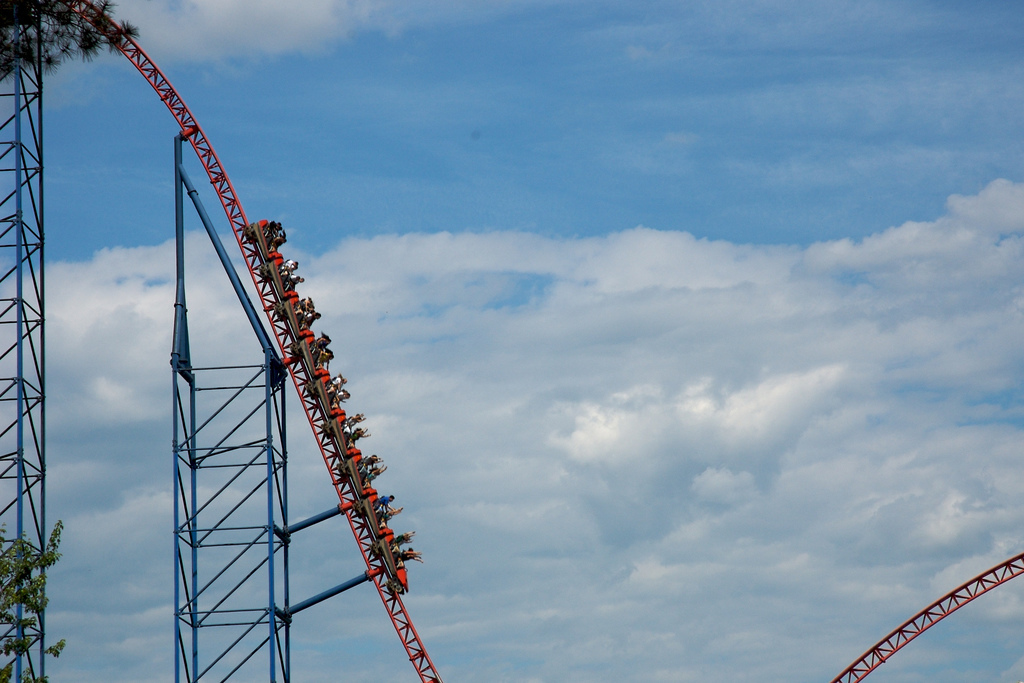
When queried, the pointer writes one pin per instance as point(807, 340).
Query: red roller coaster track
point(929, 616)
point(302, 375)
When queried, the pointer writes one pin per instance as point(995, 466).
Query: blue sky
point(753, 122)
point(690, 332)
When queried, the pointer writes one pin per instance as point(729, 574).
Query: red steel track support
point(929, 616)
point(285, 336)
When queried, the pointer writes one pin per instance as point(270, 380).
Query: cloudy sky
point(689, 331)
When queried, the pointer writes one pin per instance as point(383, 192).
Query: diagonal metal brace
point(236, 283)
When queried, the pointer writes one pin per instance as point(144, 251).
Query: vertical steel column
point(282, 487)
point(19, 251)
point(272, 616)
point(180, 362)
point(22, 370)
point(229, 434)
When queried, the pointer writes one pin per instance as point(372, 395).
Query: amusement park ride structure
point(233, 608)
point(232, 531)
point(22, 367)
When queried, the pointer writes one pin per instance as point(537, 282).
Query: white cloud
point(198, 30)
point(758, 412)
point(758, 458)
point(998, 208)
point(204, 29)
point(723, 486)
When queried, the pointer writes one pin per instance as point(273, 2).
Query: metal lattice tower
point(230, 478)
point(233, 610)
point(22, 369)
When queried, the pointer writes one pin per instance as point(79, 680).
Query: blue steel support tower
point(230, 478)
point(22, 369)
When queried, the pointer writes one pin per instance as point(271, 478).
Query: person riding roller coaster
point(322, 355)
point(337, 398)
point(288, 277)
point(358, 433)
point(371, 473)
point(274, 234)
point(396, 545)
point(306, 313)
point(322, 342)
point(407, 555)
point(386, 515)
point(335, 392)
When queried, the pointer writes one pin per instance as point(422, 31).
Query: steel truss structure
point(22, 367)
point(230, 477)
point(233, 608)
point(929, 616)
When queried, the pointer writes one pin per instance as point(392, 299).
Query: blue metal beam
point(283, 534)
point(229, 268)
point(181, 353)
point(330, 593)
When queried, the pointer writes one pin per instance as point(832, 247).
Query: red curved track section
point(929, 616)
point(301, 374)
